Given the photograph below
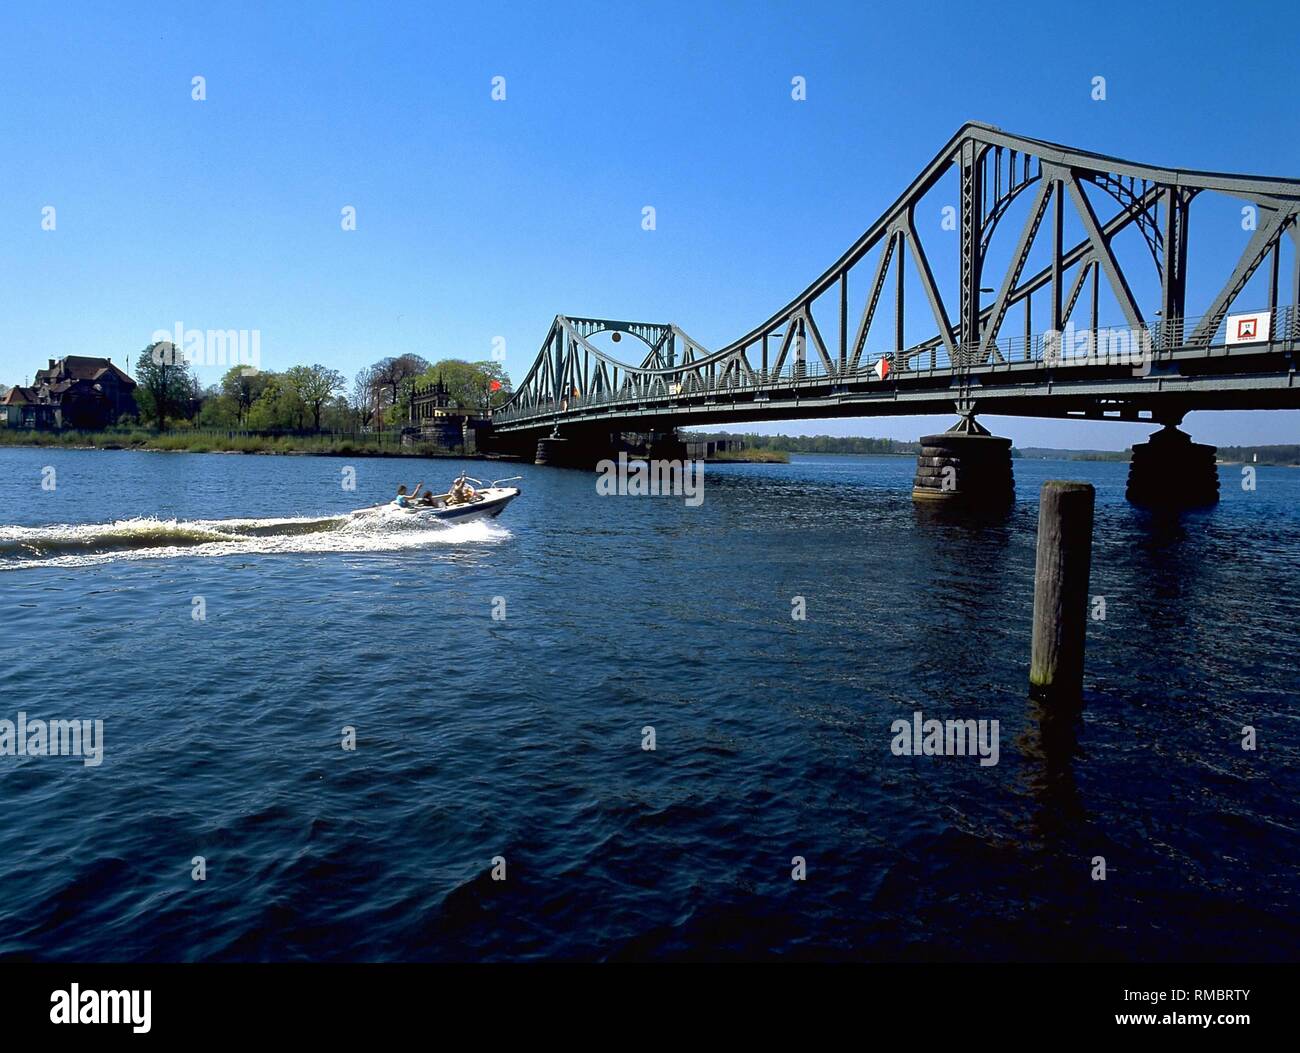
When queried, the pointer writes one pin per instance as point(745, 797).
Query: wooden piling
point(1061, 588)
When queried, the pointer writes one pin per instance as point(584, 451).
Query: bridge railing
point(1111, 344)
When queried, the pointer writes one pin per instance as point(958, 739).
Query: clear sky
point(478, 219)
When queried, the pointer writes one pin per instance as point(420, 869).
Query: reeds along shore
point(325, 445)
point(385, 444)
point(751, 457)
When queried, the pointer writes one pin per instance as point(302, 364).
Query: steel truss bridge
point(788, 367)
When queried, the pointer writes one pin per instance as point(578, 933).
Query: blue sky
point(479, 219)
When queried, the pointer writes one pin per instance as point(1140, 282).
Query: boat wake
point(79, 545)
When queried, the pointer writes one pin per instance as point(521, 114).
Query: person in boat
point(426, 499)
point(401, 500)
point(461, 492)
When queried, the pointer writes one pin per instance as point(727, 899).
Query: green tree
point(274, 408)
point(292, 406)
point(469, 383)
point(339, 415)
point(166, 386)
point(219, 410)
point(242, 385)
point(314, 386)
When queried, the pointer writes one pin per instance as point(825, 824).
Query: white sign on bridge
point(1249, 328)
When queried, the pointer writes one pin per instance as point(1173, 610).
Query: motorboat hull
point(488, 503)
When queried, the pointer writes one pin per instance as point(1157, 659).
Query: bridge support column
point(488, 440)
point(666, 446)
point(553, 449)
point(578, 450)
point(965, 465)
point(1171, 471)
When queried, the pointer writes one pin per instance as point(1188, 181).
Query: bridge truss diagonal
point(1023, 190)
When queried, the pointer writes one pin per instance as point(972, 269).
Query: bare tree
point(391, 375)
point(364, 399)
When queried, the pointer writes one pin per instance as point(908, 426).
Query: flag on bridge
point(882, 368)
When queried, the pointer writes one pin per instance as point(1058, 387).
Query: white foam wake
point(87, 544)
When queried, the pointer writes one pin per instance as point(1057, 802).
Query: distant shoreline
point(327, 445)
point(262, 453)
point(390, 454)
point(324, 445)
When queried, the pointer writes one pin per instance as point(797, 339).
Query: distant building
point(705, 447)
point(22, 408)
point(434, 419)
point(73, 392)
point(430, 402)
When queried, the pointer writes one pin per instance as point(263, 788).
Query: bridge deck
point(1216, 377)
point(1043, 233)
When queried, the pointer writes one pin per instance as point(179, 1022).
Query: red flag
point(882, 368)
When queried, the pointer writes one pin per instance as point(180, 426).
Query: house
point(73, 392)
point(21, 408)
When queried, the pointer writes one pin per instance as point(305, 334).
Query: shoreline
point(346, 448)
point(266, 453)
point(260, 447)
point(418, 453)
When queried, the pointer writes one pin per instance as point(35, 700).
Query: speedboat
point(460, 504)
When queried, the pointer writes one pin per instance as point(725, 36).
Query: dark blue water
point(521, 738)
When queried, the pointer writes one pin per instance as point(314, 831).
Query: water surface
point(521, 738)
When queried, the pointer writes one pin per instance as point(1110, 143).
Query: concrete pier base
point(553, 450)
point(1171, 471)
point(966, 465)
point(666, 446)
point(587, 448)
point(577, 449)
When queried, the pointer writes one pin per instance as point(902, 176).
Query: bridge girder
point(1105, 196)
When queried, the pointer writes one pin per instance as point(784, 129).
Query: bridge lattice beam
point(993, 169)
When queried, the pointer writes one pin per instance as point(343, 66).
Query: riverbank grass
point(326, 445)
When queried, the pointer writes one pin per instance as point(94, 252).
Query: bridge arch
point(969, 341)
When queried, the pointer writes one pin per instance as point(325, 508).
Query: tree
point(390, 375)
point(339, 415)
point(242, 385)
point(364, 400)
point(292, 406)
point(166, 385)
point(273, 408)
point(469, 383)
point(219, 409)
point(314, 385)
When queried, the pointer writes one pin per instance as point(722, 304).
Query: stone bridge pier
point(585, 448)
point(1171, 471)
point(966, 465)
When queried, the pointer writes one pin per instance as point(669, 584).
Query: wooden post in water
point(1061, 589)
